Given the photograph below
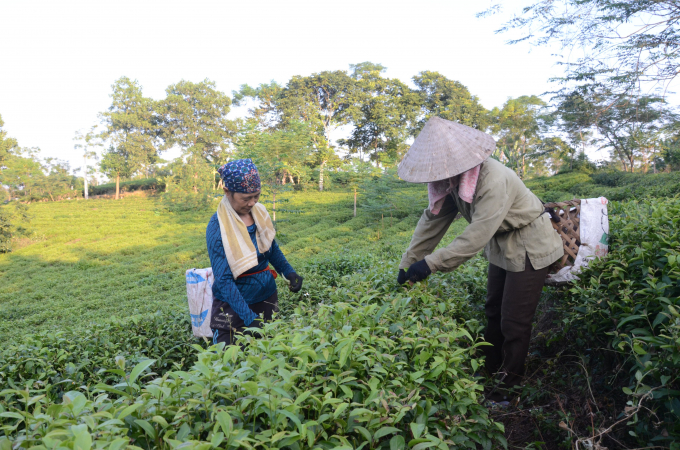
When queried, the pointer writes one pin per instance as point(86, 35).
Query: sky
point(58, 60)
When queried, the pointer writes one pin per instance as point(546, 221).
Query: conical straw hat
point(444, 149)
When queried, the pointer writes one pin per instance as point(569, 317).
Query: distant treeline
point(289, 132)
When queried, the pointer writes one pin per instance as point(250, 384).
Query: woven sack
point(200, 297)
point(583, 226)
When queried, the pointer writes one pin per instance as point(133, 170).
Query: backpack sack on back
point(583, 226)
point(199, 293)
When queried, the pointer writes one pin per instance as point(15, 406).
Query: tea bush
point(614, 185)
point(60, 361)
point(373, 367)
point(358, 361)
point(629, 304)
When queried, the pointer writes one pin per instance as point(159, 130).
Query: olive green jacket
point(504, 216)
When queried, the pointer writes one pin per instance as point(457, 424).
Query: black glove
point(401, 279)
point(295, 282)
point(418, 271)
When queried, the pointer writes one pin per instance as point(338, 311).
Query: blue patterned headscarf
point(240, 175)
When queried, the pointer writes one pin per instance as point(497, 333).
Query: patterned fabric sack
point(583, 226)
point(199, 293)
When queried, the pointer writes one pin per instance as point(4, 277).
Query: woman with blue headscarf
point(241, 245)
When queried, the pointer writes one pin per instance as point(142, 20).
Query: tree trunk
point(524, 152)
point(117, 186)
point(193, 160)
point(323, 164)
point(85, 180)
point(290, 178)
point(355, 202)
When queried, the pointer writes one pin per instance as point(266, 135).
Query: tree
point(383, 113)
point(321, 100)
point(284, 152)
point(631, 127)
point(358, 173)
point(116, 163)
point(576, 116)
point(265, 110)
point(449, 100)
point(195, 118)
point(9, 227)
point(29, 178)
point(58, 181)
point(22, 173)
point(624, 43)
point(518, 125)
point(87, 143)
point(131, 127)
point(279, 154)
point(7, 144)
point(671, 154)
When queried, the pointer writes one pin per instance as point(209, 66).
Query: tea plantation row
point(353, 362)
point(371, 366)
point(627, 309)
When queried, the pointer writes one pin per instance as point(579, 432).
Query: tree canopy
point(333, 122)
point(622, 43)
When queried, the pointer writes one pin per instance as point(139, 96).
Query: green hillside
point(100, 259)
point(98, 342)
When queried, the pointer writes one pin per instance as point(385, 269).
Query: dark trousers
point(226, 324)
point(511, 302)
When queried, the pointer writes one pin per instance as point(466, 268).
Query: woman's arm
point(279, 261)
point(429, 231)
point(224, 287)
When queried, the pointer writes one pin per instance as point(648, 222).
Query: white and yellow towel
point(238, 247)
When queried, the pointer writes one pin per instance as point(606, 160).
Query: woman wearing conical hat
point(505, 219)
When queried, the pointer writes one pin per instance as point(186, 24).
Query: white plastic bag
point(199, 293)
point(594, 236)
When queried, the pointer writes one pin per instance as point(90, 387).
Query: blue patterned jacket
point(246, 290)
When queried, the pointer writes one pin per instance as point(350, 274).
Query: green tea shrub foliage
point(52, 363)
point(387, 195)
point(629, 304)
point(368, 368)
point(127, 186)
point(614, 185)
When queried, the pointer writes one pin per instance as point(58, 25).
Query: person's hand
point(418, 271)
point(295, 282)
point(401, 279)
point(256, 323)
